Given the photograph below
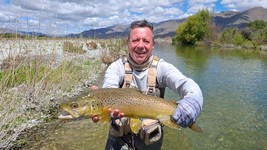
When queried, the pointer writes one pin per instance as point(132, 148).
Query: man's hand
point(114, 113)
point(95, 118)
point(93, 87)
point(186, 112)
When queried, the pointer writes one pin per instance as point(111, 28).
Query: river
point(234, 116)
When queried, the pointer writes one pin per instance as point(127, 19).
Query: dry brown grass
point(71, 48)
point(92, 45)
point(116, 49)
point(33, 85)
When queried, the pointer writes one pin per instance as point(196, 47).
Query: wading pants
point(131, 141)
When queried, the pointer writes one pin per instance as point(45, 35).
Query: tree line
point(199, 28)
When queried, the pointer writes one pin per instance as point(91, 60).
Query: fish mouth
point(68, 115)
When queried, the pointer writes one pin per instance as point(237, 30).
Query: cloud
point(72, 16)
point(243, 4)
point(196, 5)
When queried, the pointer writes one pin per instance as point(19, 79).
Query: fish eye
point(74, 105)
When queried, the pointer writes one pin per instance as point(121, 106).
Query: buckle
point(150, 90)
point(128, 84)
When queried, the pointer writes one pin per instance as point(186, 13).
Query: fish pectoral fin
point(103, 118)
point(135, 125)
point(104, 115)
point(169, 123)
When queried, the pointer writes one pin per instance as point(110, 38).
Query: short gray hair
point(139, 24)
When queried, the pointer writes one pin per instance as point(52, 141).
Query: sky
point(59, 17)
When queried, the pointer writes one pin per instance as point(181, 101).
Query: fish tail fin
point(195, 127)
point(167, 121)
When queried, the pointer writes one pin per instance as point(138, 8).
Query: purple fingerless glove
point(186, 112)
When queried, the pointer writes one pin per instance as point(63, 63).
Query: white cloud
point(72, 16)
point(243, 4)
point(196, 5)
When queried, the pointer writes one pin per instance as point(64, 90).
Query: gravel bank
point(28, 105)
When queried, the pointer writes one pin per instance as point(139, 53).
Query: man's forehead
point(143, 31)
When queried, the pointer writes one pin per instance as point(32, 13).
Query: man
point(140, 69)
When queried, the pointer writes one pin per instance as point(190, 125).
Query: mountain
point(6, 30)
point(239, 19)
point(167, 28)
point(23, 33)
point(108, 32)
point(161, 29)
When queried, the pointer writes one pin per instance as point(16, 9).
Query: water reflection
point(234, 85)
point(70, 135)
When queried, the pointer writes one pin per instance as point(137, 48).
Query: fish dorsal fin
point(137, 90)
point(135, 125)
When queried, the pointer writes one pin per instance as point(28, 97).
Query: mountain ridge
point(167, 28)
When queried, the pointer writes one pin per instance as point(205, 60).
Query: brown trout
point(133, 103)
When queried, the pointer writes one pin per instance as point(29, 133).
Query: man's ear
point(126, 40)
point(153, 43)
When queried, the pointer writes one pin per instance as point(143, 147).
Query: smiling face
point(140, 44)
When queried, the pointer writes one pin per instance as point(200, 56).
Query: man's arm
point(114, 75)
point(190, 105)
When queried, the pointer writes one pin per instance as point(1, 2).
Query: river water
point(234, 116)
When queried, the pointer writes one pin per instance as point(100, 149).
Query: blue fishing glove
point(186, 112)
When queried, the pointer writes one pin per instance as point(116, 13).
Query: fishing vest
point(151, 130)
point(152, 85)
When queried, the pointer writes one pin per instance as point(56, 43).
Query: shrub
point(91, 45)
point(194, 29)
point(71, 48)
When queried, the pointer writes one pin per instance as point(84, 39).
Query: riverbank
point(36, 75)
point(240, 47)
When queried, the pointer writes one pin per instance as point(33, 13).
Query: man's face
point(140, 44)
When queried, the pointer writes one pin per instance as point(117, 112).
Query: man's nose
point(141, 43)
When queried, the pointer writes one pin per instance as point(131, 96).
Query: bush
point(231, 36)
point(92, 45)
point(70, 48)
point(194, 29)
point(238, 39)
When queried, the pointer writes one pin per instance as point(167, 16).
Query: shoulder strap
point(152, 76)
point(128, 73)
